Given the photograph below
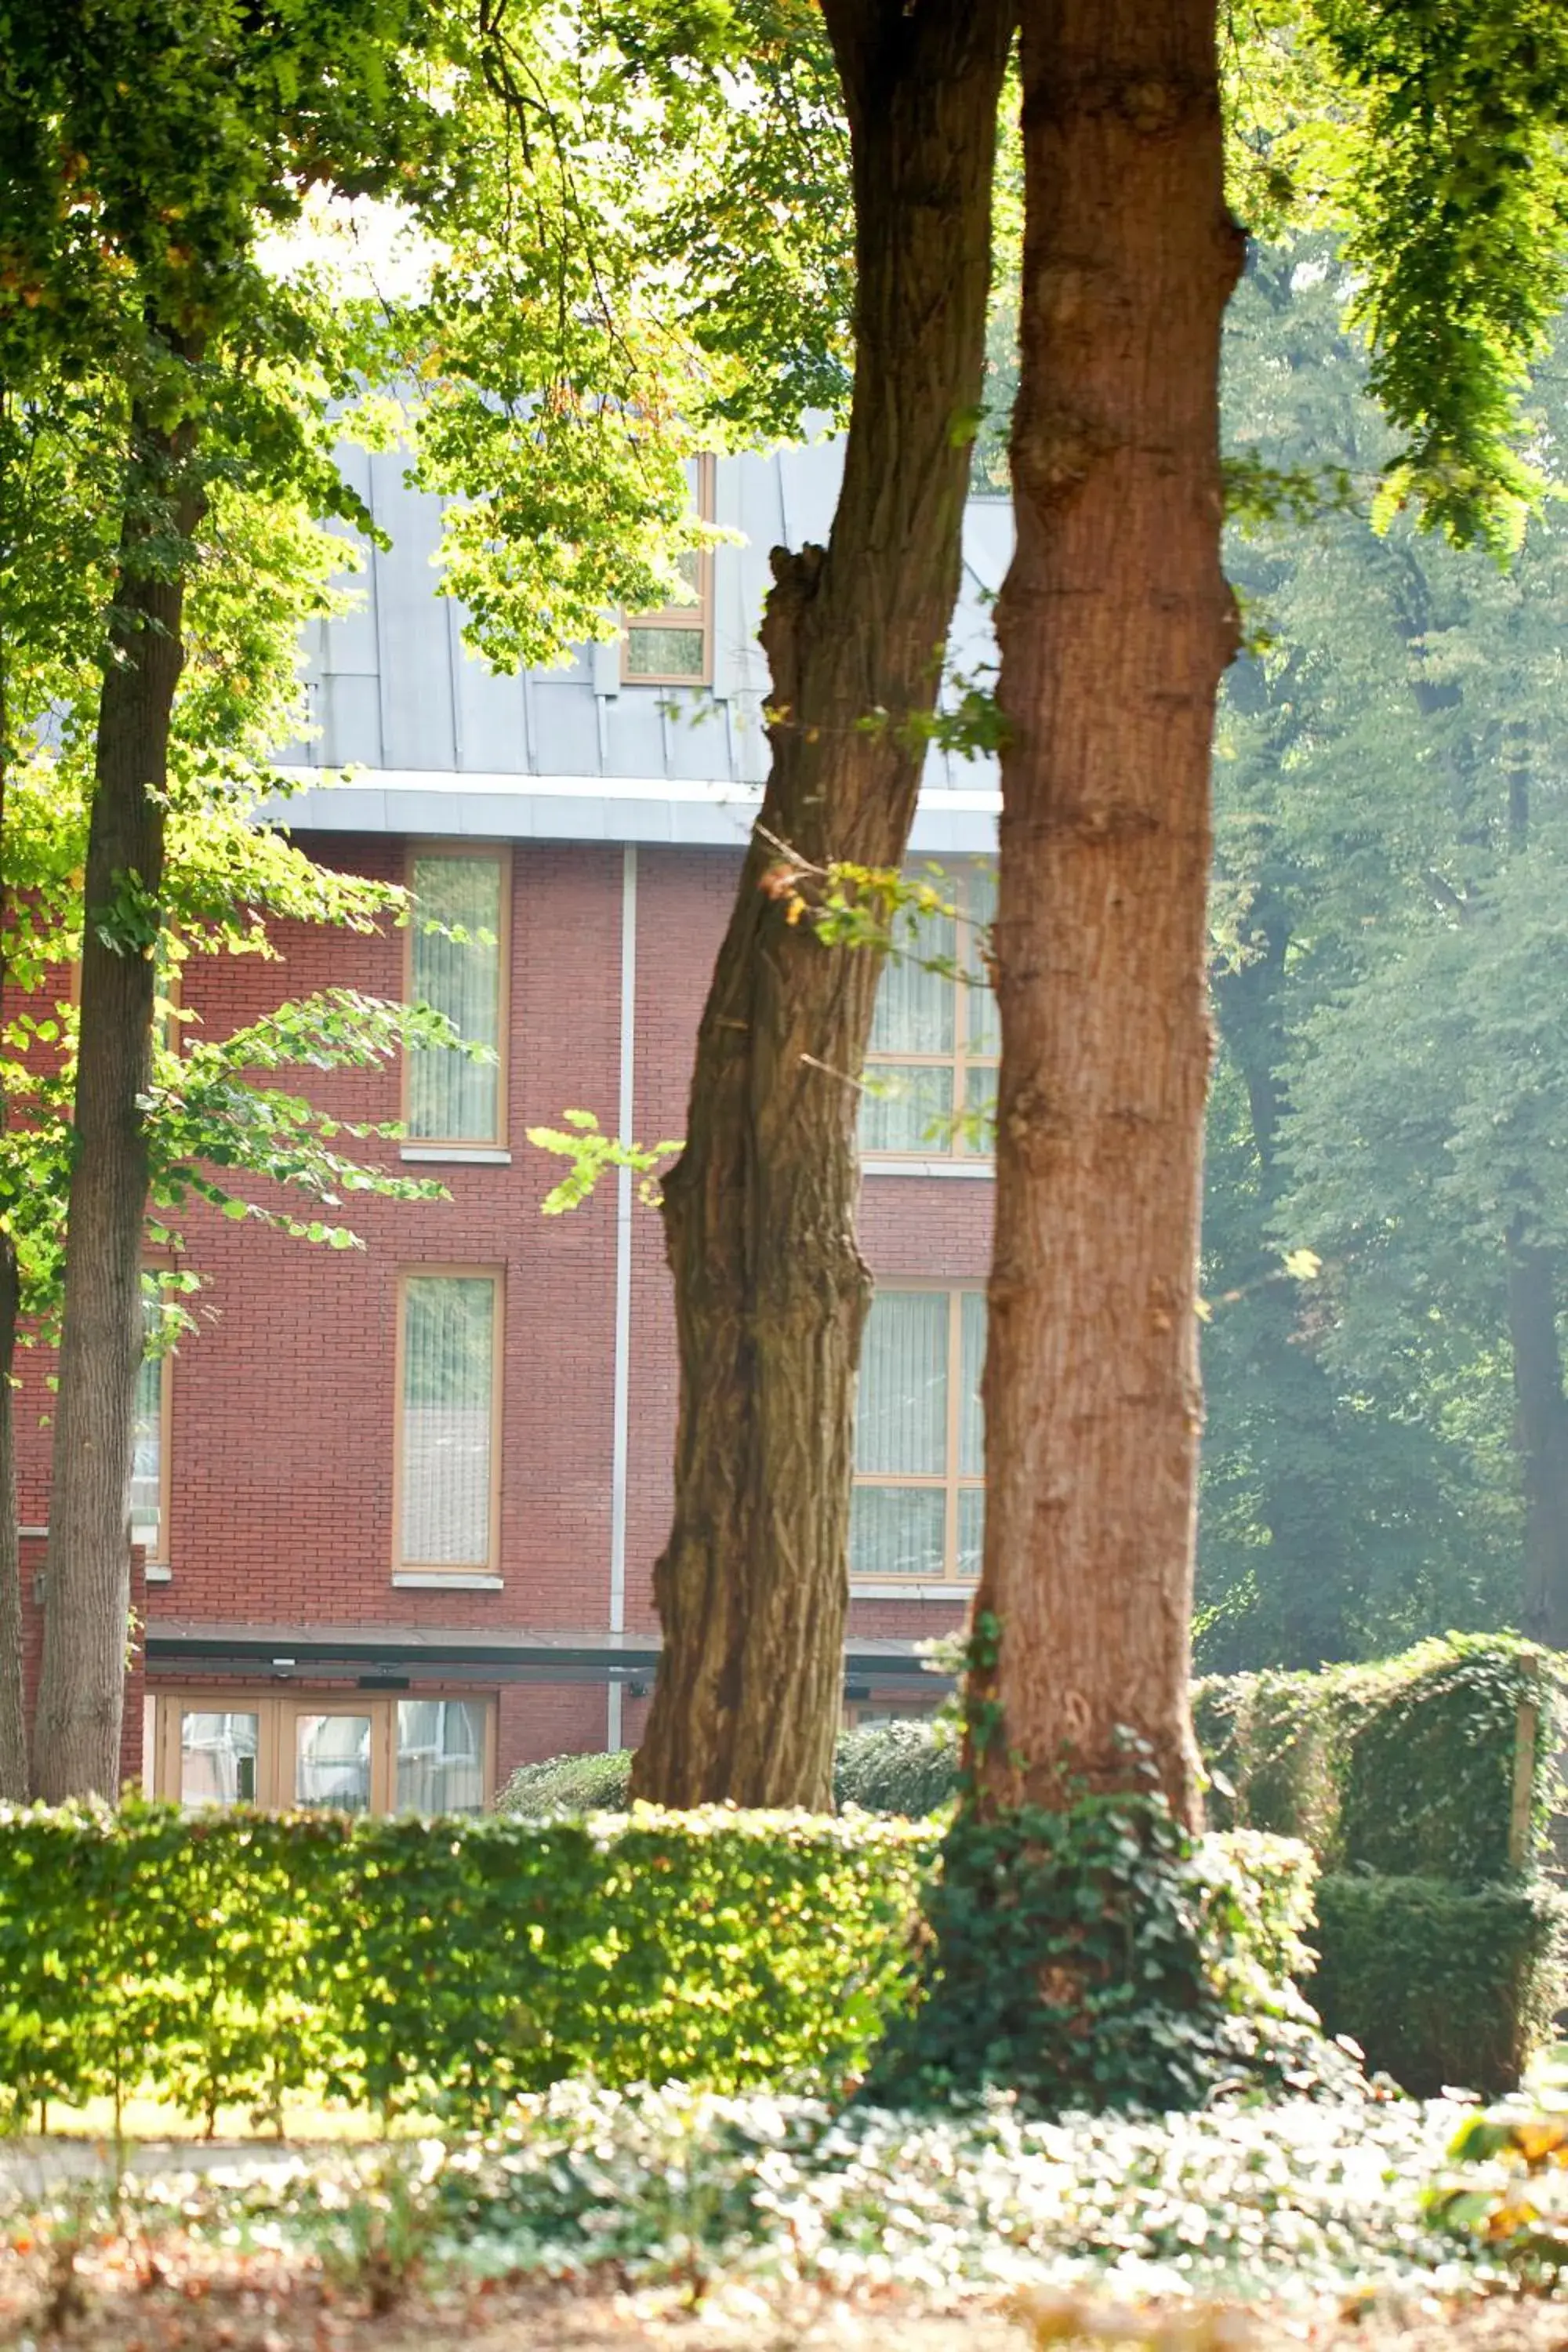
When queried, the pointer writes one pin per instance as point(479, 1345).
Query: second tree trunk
point(1115, 624)
point(771, 1290)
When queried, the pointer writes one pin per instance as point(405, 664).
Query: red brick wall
point(283, 1402)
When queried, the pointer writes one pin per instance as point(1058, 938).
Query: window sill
point(455, 1155)
point(157, 1574)
point(981, 1167)
point(888, 1588)
point(446, 1580)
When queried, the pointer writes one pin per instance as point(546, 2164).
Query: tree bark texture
point(13, 1693)
point(771, 1290)
point(88, 1571)
point(14, 1776)
point(1115, 626)
point(1541, 1435)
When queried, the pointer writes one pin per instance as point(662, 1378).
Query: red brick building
point(401, 1505)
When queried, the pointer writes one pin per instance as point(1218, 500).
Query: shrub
point(1438, 1984)
point(236, 1958)
point(908, 1768)
point(569, 1784)
point(897, 1767)
point(1437, 1763)
point(233, 1958)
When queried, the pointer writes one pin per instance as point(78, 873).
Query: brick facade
point(283, 1404)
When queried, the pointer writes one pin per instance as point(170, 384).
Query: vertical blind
point(451, 1097)
point(902, 1424)
point(936, 1021)
point(918, 1345)
point(449, 1361)
point(147, 1449)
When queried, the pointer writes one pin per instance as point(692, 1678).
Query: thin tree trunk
point(88, 1588)
point(13, 1695)
point(771, 1290)
point(1541, 1435)
point(1115, 625)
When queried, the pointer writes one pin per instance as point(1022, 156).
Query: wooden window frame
point(951, 1482)
point(682, 616)
point(960, 1060)
point(500, 852)
point(277, 1707)
point(496, 1277)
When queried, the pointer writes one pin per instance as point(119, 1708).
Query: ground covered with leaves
point(595, 2218)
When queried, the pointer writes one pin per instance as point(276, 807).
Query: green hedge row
point(236, 1958)
point(233, 1958)
point(889, 1767)
point(1439, 1984)
point(1435, 1764)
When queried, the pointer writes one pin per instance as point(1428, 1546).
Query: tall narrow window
point(448, 1392)
point(932, 1062)
point(674, 645)
point(920, 1495)
point(459, 968)
point(149, 1449)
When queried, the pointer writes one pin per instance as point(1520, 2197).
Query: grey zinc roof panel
point(396, 691)
point(489, 715)
point(350, 722)
point(635, 745)
point(414, 645)
point(565, 727)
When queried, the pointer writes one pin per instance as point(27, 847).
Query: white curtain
point(914, 1005)
point(448, 1336)
point(907, 1107)
point(217, 1757)
point(451, 1097)
point(901, 1419)
point(896, 1531)
point(147, 1457)
point(981, 1031)
point(331, 1761)
point(440, 1755)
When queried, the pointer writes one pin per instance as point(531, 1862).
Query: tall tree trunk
point(88, 1582)
point(1115, 625)
point(1541, 1435)
point(771, 1290)
point(13, 1696)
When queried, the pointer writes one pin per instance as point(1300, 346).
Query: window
point(460, 971)
point(674, 646)
point(932, 1060)
point(919, 1508)
point(323, 1751)
point(149, 1449)
point(448, 1391)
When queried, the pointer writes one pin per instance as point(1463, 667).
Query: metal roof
point(437, 743)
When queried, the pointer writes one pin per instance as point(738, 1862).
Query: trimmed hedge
point(1425, 1786)
point(1439, 1984)
point(233, 1958)
point(908, 1768)
point(1412, 1766)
